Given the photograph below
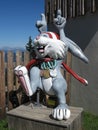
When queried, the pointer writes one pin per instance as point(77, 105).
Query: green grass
point(3, 125)
point(90, 122)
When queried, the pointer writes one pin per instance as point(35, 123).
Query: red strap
point(36, 61)
point(82, 80)
point(32, 62)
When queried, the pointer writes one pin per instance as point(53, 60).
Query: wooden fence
point(8, 81)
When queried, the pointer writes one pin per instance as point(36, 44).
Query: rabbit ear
point(75, 50)
point(42, 24)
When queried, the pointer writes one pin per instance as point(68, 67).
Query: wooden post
point(2, 84)
point(46, 10)
point(74, 10)
point(82, 7)
point(78, 7)
point(19, 61)
point(93, 6)
point(65, 9)
point(26, 57)
point(71, 8)
point(10, 76)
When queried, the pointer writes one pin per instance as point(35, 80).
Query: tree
point(30, 48)
point(29, 45)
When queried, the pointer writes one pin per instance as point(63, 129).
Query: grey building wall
point(84, 31)
point(86, 96)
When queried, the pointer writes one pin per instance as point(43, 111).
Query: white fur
point(53, 48)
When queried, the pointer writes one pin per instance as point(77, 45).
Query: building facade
point(70, 8)
point(82, 28)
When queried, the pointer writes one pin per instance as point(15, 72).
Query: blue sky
point(17, 21)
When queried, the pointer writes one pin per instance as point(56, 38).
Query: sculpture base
point(25, 117)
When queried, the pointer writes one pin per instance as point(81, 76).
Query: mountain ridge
point(6, 48)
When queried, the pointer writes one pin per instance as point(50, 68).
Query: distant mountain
point(14, 49)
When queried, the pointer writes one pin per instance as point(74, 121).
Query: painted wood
point(39, 118)
point(69, 8)
point(10, 75)
point(2, 84)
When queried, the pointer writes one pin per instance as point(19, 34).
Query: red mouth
point(41, 49)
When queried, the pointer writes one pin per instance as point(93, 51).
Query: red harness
point(37, 61)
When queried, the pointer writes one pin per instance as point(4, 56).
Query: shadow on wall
point(86, 97)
